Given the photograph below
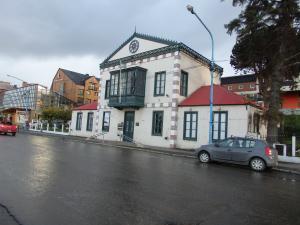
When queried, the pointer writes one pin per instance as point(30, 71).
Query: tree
point(54, 113)
point(268, 45)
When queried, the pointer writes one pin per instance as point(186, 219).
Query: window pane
point(223, 126)
point(216, 117)
point(215, 134)
point(194, 125)
point(222, 135)
point(162, 89)
point(188, 117)
point(223, 117)
point(216, 127)
point(187, 133)
point(193, 134)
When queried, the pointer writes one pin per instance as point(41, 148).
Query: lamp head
point(190, 8)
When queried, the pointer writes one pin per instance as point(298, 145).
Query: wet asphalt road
point(49, 181)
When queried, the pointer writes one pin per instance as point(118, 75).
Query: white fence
point(47, 128)
point(284, 157)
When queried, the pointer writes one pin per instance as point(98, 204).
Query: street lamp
point(211, 97)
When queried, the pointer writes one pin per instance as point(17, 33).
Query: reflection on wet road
point(50, 181)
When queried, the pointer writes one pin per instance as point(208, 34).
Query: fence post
point(47, 126)
point(293, 146)
point(62, 128)
point(54, 127)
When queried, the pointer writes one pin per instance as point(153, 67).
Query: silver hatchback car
point(245, 151)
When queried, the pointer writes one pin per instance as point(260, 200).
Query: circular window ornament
point(134, 46)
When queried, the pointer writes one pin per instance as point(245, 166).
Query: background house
point(78, 88)
point(290, 98)
point(22, 104)
point(246, 85)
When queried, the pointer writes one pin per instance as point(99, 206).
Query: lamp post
point(211, 95)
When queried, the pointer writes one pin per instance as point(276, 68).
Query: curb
point(156, 151)
point(286, 171)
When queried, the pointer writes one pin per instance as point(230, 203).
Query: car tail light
point(268, 151)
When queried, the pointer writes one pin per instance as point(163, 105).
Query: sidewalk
point(189, 153)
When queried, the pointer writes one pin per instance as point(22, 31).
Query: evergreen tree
point(268, 45)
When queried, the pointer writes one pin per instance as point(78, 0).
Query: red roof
point(221, 97)
point(91, 106)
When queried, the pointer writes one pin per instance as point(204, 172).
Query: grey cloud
point(53, 28)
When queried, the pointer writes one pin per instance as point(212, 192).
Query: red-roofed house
point(233, 115)
point(83, 121)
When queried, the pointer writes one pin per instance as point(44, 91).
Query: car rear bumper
point(272, 162)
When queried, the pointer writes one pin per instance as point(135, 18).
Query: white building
point(233, 115)
point(83, 120)
point(142, 84)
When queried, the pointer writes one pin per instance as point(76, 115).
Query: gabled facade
point(77, 87)
point(142, 84)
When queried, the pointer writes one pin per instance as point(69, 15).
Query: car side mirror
point(217, 145)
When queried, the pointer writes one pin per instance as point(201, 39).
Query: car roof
point(248, 138)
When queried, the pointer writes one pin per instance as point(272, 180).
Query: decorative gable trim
point(141, 36)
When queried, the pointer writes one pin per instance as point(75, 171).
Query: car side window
point(226, 143)
point(239, 143)
point(250, 143)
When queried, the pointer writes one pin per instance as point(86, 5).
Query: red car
point(7, 127)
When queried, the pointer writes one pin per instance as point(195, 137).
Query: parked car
point(245, 151)
point(7, 127)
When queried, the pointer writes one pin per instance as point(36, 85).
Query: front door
point(128, 126)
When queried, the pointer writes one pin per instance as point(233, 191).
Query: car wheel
point(204, 157)
point(258, 164)
point(13, 134)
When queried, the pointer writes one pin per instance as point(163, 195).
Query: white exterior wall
point(237, 123)
point(83, 132)
point(199, 74)
point(143, 116)
point(143, 132)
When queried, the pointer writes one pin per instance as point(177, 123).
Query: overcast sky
point(39, 36)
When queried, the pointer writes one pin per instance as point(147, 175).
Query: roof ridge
point(169, 41)
point(74, 72)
